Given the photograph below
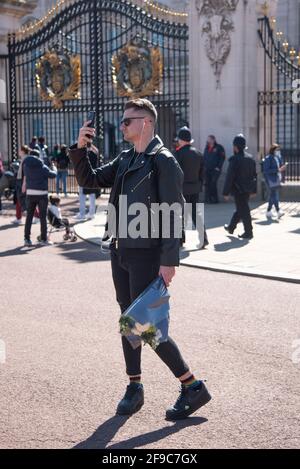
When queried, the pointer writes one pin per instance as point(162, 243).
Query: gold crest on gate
point(137, 69)
point(58, 76)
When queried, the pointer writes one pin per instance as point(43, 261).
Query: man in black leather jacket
point(241, 182)
point(148, 174)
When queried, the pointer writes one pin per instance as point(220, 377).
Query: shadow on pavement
point(185, 254)
point(105, 433)
point(267, 222)
point(19, 251)
point(7, 227)
point(82, 252)
point(234, 243)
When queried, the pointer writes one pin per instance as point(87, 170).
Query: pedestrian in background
point(44, 151)
point(273, 168)
point(62, 161)
point(191, 162)
point(241, 182)
point(55, 152)
point(36, 184)
point(214, 158)
point(33, 145)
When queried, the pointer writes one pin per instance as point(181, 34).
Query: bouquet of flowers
point(147, 318)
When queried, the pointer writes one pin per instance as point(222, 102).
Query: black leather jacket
point(155, 178)
point(241, 175)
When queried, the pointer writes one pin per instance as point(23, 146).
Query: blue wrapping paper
point(147, 318)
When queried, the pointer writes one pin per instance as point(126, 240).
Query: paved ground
point(64, 373)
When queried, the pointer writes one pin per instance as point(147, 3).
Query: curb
point(278, 276)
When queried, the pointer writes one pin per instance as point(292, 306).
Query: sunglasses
point(127, 120)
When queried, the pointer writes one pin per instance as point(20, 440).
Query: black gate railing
point(4, 106)
point(96, 31)
point(278, 111)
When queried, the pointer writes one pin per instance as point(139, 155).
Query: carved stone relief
point(217, 26)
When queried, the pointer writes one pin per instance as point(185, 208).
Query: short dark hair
point(141, 104)
point(54, 200)
point(240, 142)
point(25, 149)
point(35, 153)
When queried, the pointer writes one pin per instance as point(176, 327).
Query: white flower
point(141, 328)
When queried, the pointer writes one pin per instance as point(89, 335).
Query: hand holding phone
point(87, 131)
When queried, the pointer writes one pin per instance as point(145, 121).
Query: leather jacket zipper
point(122, 185)
point(141, 181)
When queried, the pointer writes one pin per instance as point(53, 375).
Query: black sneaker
point(132, 401)
point(27, 242)
point(246, 236)
point(228, 229)
point(190, 399)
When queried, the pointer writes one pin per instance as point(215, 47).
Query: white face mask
point(278, 153)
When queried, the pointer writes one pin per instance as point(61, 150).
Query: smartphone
point(92, 118)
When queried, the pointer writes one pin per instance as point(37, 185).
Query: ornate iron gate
point(278, 112)
point(106, 51)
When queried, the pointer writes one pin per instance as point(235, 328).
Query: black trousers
point(211, 186)
point(133, 270)
point(242, 213)
point(32, 201)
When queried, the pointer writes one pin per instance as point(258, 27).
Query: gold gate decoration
point(58, 76)
point(137, 69)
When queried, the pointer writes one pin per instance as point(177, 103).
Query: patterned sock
point(135, 379)
point(190, 381)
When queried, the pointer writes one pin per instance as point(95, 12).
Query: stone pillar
point(223, 71)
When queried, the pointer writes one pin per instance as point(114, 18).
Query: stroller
point(8, 181)
point(57, 224)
